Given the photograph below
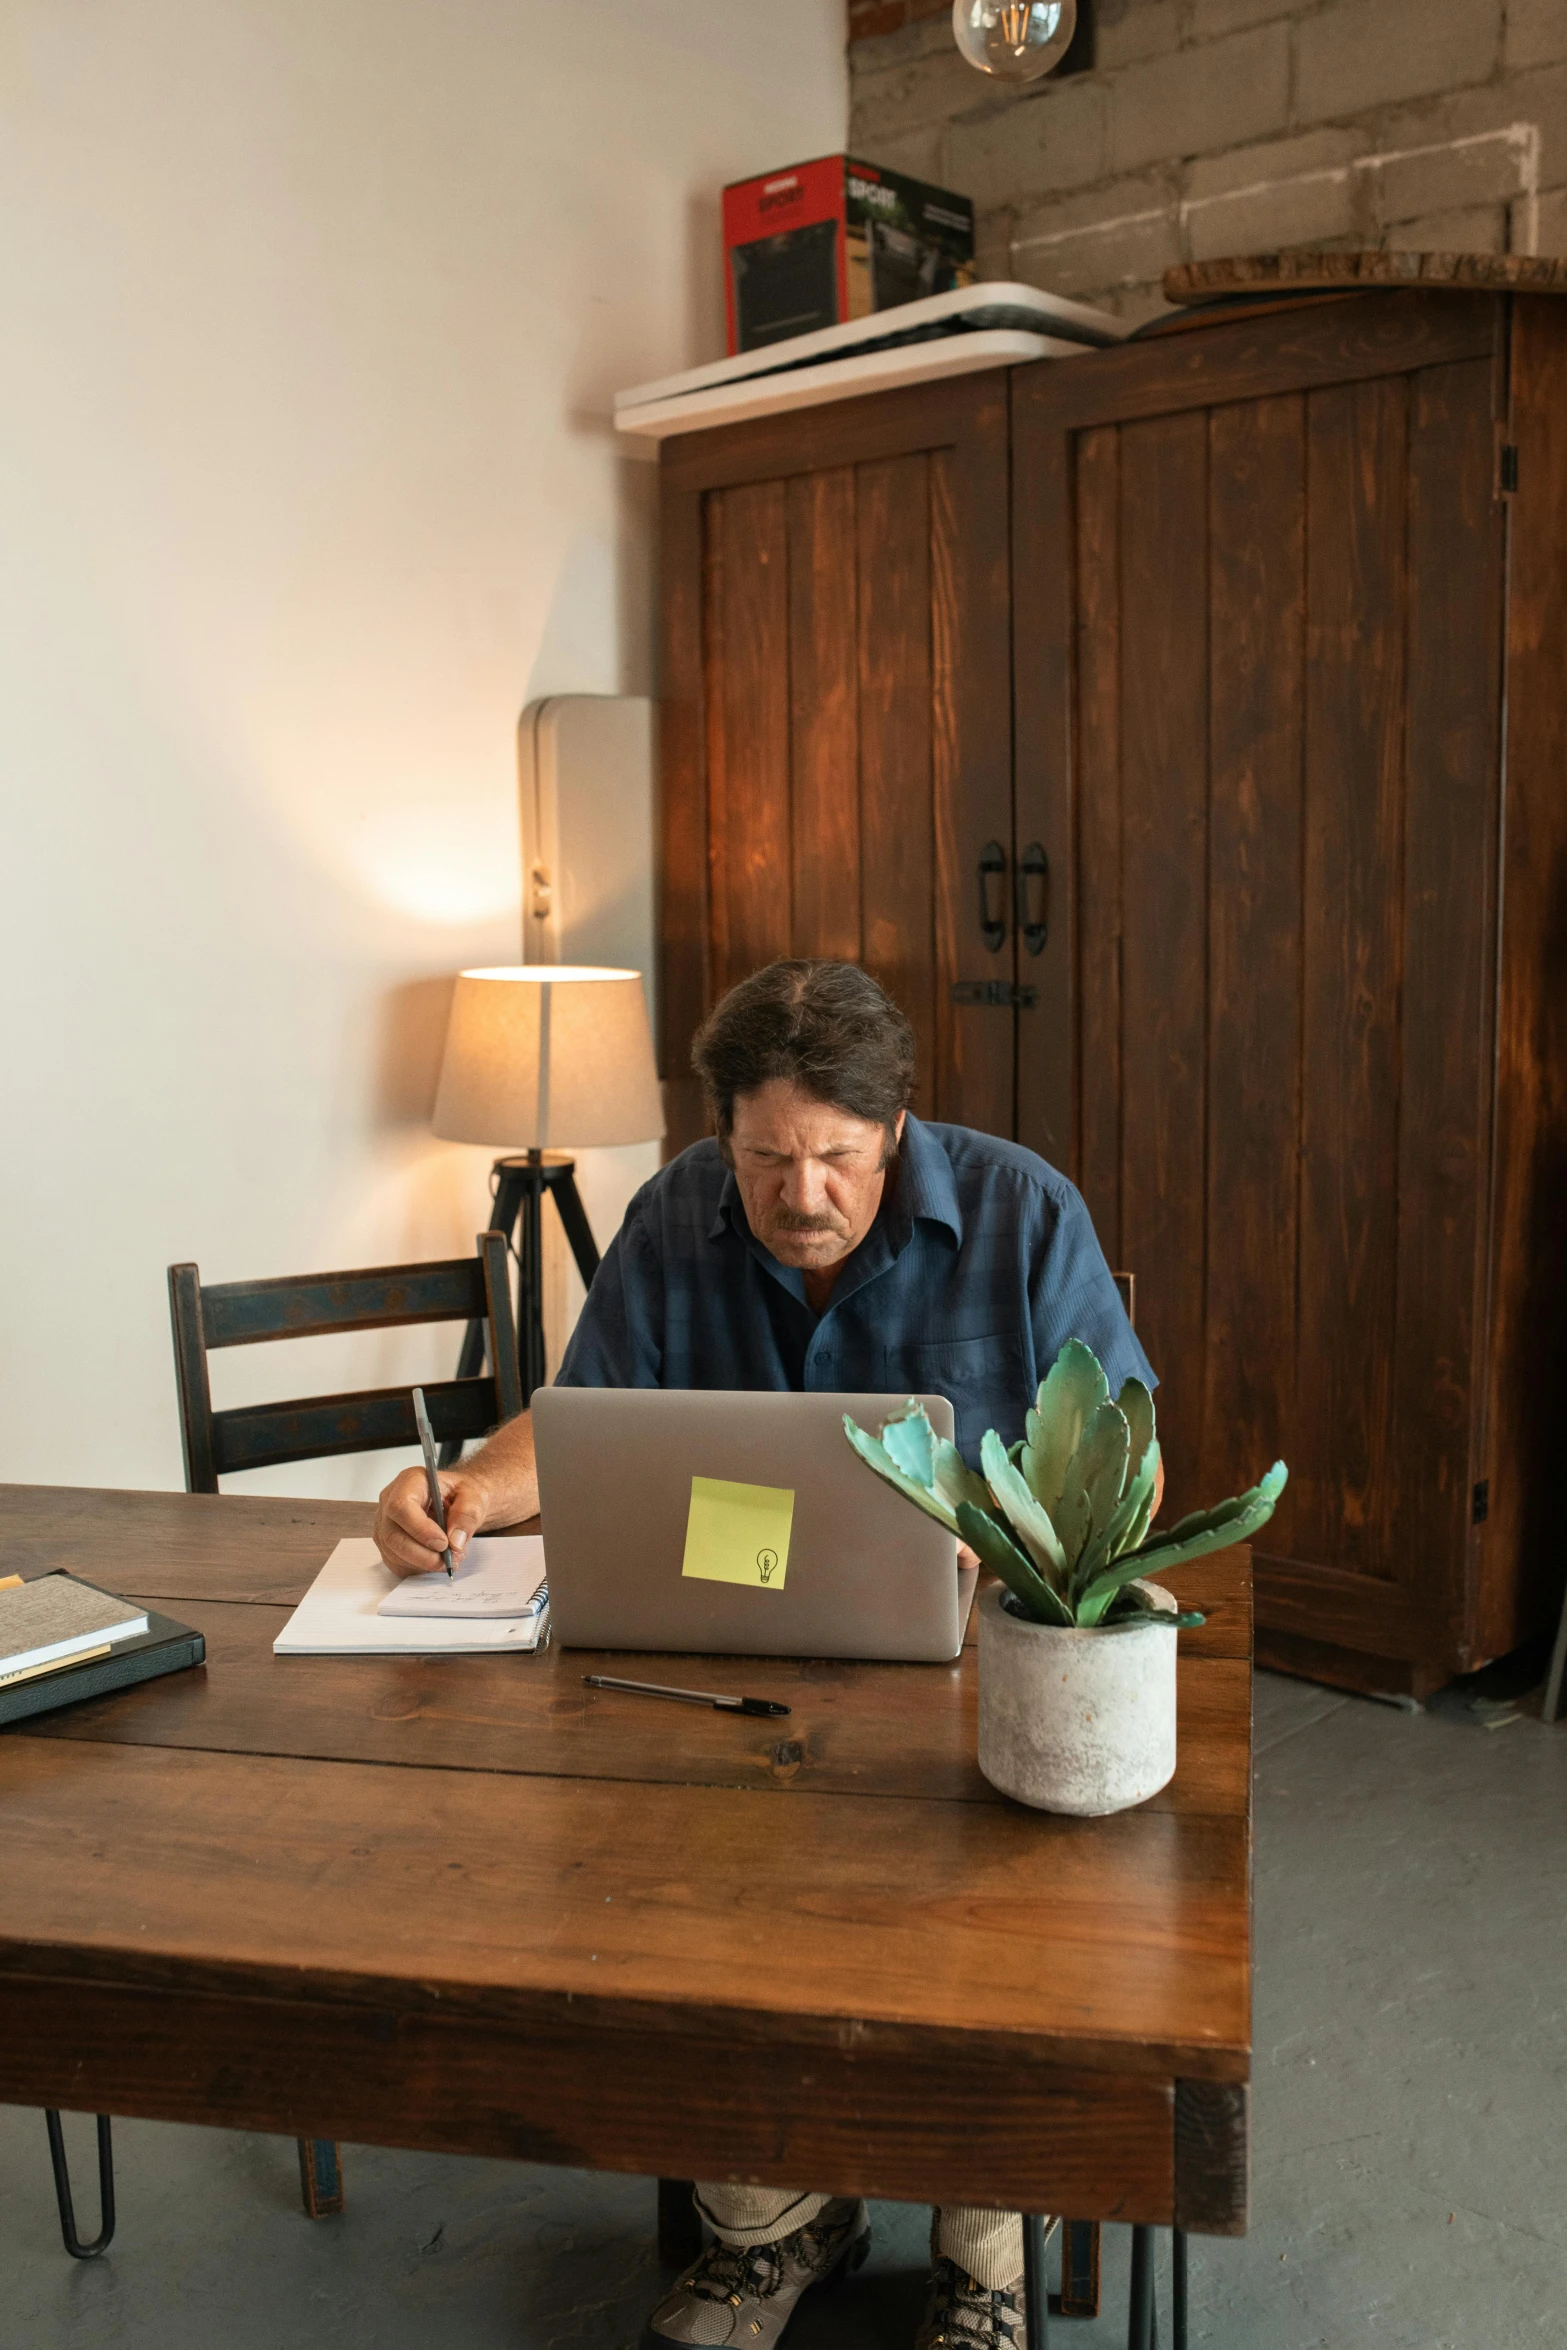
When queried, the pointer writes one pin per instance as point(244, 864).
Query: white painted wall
point(313, 310)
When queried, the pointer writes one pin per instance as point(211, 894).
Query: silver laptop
point(719, 1524)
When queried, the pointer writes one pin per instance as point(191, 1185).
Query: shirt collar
point(925, 1191)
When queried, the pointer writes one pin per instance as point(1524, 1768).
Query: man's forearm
point(504, 1468)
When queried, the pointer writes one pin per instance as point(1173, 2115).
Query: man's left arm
point(1072, 1294)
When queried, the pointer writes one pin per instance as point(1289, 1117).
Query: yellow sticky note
point(739, 1533)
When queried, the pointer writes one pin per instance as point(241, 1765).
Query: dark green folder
point(165, 1647)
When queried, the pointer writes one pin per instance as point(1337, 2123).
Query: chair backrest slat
point(313, 1427)
point(245, 1313)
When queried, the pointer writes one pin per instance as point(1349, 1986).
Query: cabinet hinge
point(1507, 468)
point(1482, 1502)
point(995, 992)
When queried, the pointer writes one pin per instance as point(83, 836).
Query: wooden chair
point(257, 1436)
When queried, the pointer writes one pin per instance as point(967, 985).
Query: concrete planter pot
point(1072, 1721)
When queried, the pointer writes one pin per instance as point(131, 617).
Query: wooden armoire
point(1180, 733)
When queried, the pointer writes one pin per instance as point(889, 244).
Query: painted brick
point(1365, 53)
point(1201, 99)
point(1550, 225)
point(1536, 32)
point(906, 98)
point(993, 244)
point(1038, 144)
point(919, 153)
point(1127, 233)
point(1213, 18)
point(1484, 169)
point(1482, 228)
point(1272, 161)
point(1126, 30)
point(1537, 99)
point(1261, 220)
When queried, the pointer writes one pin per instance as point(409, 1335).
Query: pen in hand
point(432, 1480)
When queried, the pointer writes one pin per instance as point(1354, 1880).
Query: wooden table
point(467, 1904)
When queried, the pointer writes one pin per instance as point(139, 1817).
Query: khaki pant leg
point(756, 2215)
point(988, 2244)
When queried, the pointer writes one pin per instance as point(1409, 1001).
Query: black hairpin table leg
point(62, 2189)
point(1142, 2332)
point(1036, 2285)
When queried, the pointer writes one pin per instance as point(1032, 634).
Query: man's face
point(811, 1176)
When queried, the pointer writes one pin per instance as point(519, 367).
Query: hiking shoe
point(742, 2296)
point(960, 2315)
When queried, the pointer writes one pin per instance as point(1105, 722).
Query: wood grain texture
point(897, 1731)
point(1101, 914)
point(1249, 358)
point(1195, 281)
point(1356, 699)
point(1043, 637)
point(1452, 765)
point(490, 1911)
point(1212, 2156)
point(860, 431)
point(680, 879)
point(824, 714)
point(749, 824)
point(1164, 829)
point(1256, 920)
point(1520, 1564)
point(911, 2126)
point(897, 844)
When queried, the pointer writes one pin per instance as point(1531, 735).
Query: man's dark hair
point(827, 1027)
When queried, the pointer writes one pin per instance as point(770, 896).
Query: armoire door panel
point(1164, 883)
point(1280, 779)
point(897, 828)
point(1257, 622)
point(851, 658)
point(824, 708)
point(1356, 603)
point(1101, 919)
point(747, 656)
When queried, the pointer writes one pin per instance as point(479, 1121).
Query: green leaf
point(909, 1442)
point(1205, 1530)
point(1187, 1620)
point(1129, 1519)
point(1029, 1520)
point(1093, 1491)
point(955, 1481)
point(1001, 1554)
point(872, 1454)
point(1137, 1404)
point(1069, 1395)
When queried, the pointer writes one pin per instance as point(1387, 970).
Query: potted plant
point(1077, 1651)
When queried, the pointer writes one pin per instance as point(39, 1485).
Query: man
point(827, 1239)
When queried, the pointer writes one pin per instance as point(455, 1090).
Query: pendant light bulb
point(1016, 40)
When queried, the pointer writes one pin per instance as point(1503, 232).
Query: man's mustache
point(787, 1220)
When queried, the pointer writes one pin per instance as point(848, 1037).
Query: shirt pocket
point(982, 1378)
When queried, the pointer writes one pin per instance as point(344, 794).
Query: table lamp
point(541, 1056)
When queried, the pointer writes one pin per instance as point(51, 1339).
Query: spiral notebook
point(344, 1611)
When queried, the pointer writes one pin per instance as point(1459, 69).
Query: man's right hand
point(406, 1535)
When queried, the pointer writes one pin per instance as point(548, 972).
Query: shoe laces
point(971, 2316)
point(734, 2272)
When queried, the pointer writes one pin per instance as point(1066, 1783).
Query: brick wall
point(1232, 126)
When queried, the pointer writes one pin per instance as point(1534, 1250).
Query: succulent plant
point(1063, 1515)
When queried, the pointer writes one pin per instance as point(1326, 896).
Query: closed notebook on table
point(164, 1647)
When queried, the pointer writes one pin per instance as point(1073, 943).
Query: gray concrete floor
point(1410, 2144)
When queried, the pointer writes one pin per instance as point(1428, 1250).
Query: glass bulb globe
point(1016, 40)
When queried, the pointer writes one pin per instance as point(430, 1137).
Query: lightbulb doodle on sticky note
point(738, 1533)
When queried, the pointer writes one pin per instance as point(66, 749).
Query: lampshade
point(548, 1054)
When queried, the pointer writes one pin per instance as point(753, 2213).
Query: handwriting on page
point(739, 1533)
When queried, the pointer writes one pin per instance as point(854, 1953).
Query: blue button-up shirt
point(981, 1264)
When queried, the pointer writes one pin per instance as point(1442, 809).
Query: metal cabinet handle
point(1033, 865)
point(992, 927)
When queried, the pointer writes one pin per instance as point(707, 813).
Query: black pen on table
point(432, 1480)
point(723, 1705)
